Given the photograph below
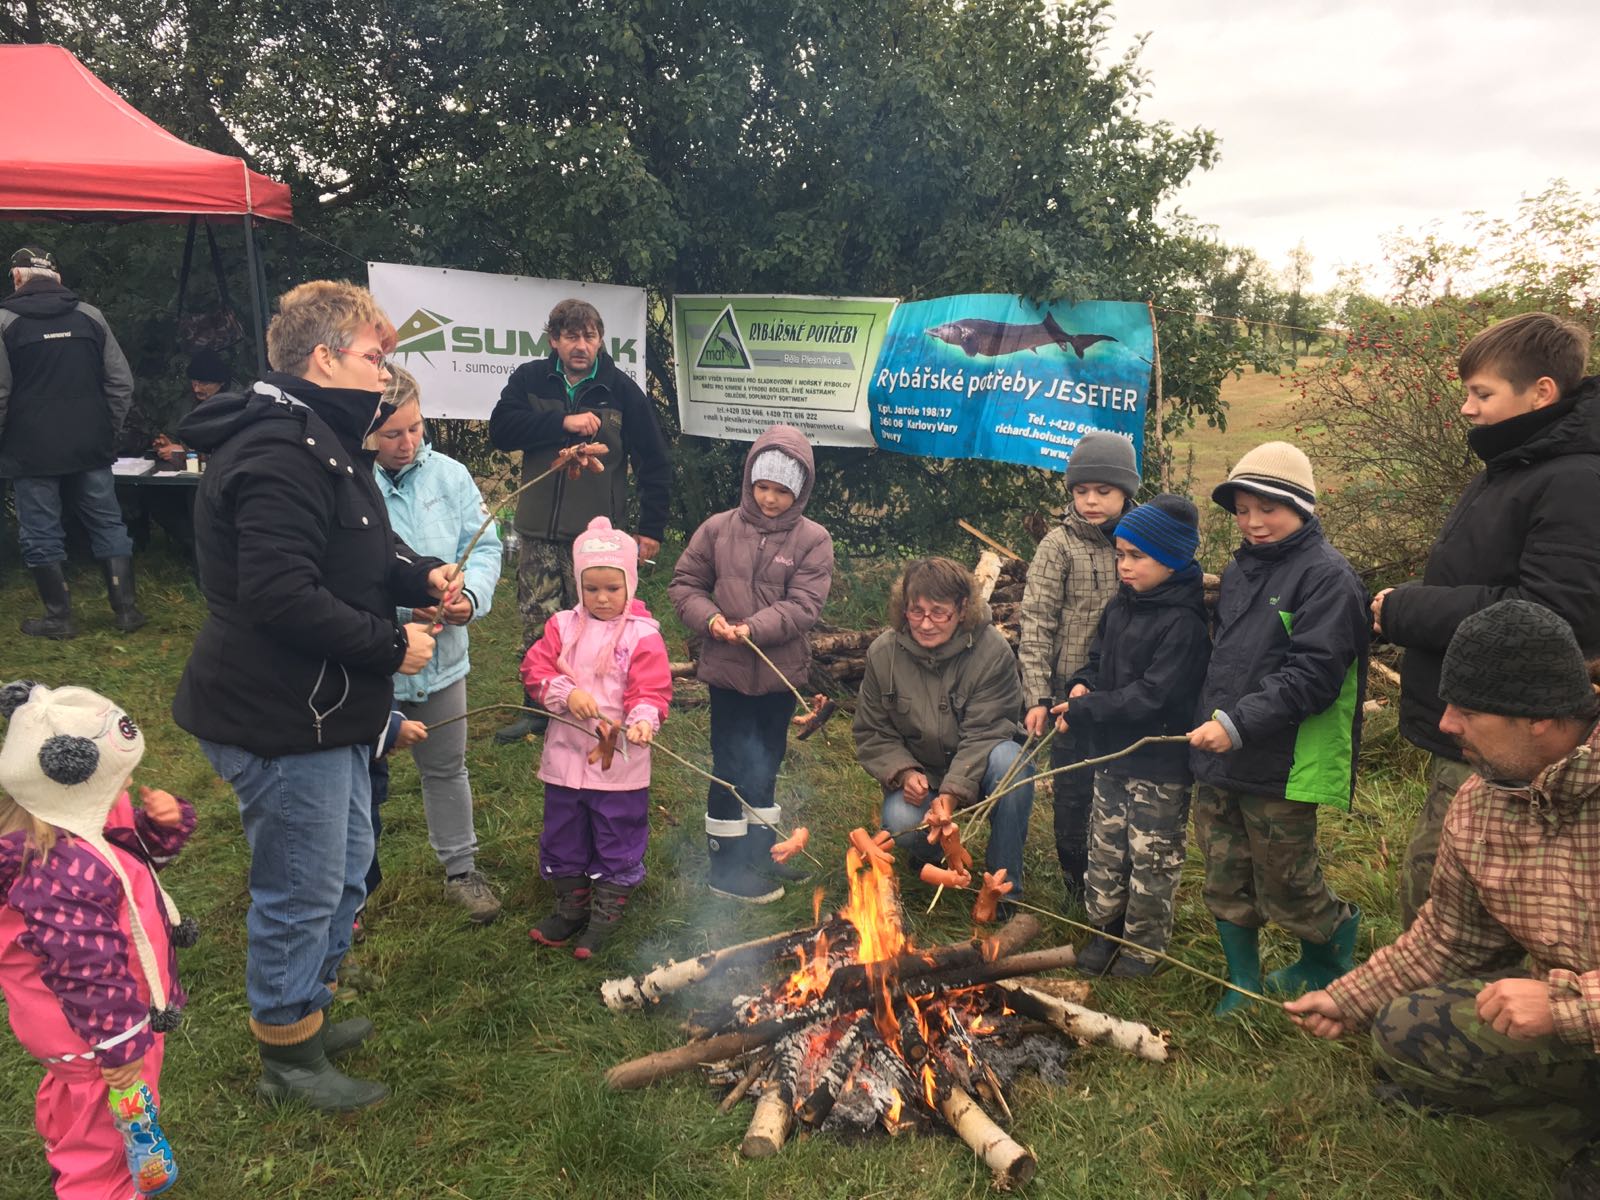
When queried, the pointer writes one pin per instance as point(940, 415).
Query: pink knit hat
point(602, 546)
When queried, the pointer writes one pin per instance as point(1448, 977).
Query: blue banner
point(1000, 378)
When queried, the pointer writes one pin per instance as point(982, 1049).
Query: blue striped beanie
point(1167, 528)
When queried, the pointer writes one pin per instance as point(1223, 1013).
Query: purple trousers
point(594, 834)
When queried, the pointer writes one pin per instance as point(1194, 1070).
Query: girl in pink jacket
point(603, 667)
point(87, 935)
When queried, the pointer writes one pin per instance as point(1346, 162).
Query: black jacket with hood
point(65, 387)
point(1146, 665)
point(1524, 529)
point(301, 573)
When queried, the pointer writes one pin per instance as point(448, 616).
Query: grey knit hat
point(1104, 458)
point(774, 466)
point(1516, 659)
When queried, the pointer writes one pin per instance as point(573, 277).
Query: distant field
point(1259, 409)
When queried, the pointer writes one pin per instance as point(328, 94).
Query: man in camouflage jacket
point(1459, 1022)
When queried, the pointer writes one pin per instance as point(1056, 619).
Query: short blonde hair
point(324, 312)
point(402, 390)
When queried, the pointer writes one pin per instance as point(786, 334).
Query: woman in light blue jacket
point(435, 508)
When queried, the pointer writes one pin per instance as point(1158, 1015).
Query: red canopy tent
point(71, 148)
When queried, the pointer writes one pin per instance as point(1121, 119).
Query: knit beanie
point(67, 754)
point(774, 466)
point(1167, 528)
point(1104, 458)
point(1275, 470)
point(207, 366)
point(1516, 659)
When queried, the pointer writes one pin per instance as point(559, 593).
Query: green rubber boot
point(302, 1073)
point(1242, 947)
point(1319, 965)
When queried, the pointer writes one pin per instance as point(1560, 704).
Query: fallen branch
point(1086, 1024)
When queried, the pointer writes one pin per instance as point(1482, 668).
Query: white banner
point(461, 333)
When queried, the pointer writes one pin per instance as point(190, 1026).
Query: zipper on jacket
point(318, 717)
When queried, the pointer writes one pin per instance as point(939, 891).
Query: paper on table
point(133, 466)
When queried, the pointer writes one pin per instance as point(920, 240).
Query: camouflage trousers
point(1545, 1092)
point(544, 585)
point(1262, 864)
point(1136, 837)
point(1445, 777)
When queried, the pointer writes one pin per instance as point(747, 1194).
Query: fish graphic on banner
point(1005, 379)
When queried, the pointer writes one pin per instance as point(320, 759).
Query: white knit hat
point(774, 466)
point(1276, 470)
point(67, 754)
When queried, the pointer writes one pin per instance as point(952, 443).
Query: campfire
point(868, 1032)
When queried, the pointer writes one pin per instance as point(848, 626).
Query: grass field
point(1259, 409)
point(495, 1049)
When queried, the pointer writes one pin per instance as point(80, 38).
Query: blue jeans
point(749, 737)
point(308, 820)
point(1008, 823)
point(93, 495)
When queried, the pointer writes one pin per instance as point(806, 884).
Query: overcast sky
point(1341, 122)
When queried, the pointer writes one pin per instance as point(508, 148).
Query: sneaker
point(472, 892)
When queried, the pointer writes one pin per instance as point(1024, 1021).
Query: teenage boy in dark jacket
point(1143, 678)
point(1280, 726)
point(289, 682)
point(1523, 529)
point(575, 395)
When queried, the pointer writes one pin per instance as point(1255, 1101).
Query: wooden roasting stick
point(817, 710)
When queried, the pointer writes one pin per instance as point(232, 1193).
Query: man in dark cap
point(1459, 1021)
point(65, 389)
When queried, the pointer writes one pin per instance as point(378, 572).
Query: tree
point(855, 147)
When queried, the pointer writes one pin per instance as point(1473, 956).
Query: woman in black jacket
point(289, 682)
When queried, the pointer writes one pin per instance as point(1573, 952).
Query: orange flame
point(896, 1104)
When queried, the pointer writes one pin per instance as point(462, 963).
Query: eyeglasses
point(375, 357)
point(936, 616)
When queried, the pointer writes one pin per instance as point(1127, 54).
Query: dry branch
point(1086, 1024)
point(636, 991)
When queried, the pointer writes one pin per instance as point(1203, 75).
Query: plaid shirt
point(1072, 578)
point(1518, 872)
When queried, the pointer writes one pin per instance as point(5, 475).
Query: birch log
point(1088, 1025)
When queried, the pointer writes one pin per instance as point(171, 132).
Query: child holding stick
point(760, 572)
point(87, 935)
point(1071, 579)
point(603, 667)
point(1143, 677)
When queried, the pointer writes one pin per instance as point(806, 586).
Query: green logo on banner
point(724, 349)
point(422, 331)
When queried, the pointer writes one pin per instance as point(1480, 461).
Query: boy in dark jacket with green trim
point(1145, 669)
point(1281, 725)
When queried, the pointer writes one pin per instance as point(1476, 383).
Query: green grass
point(495, 1049)
point(1260, 409)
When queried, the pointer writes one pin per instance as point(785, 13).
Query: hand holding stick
point(816, 714)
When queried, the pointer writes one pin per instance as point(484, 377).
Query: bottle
point(150, 1160)
point(191, 462)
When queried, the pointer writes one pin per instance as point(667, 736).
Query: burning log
point(641, 1072)
point(1087, 1025)
point(637, 991)
point(774, 1116)
point(814, 1109)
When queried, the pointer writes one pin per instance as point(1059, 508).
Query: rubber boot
point(125, 614)
point(572, 912)
point(301, 1072)
point(57, 623)
point(1319, 965)
point(1242, 948)
point(341, 1037)
point(605, 910)
point(525, 724)
point(1097, 955)
point(762, 838)
point(732, 873)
